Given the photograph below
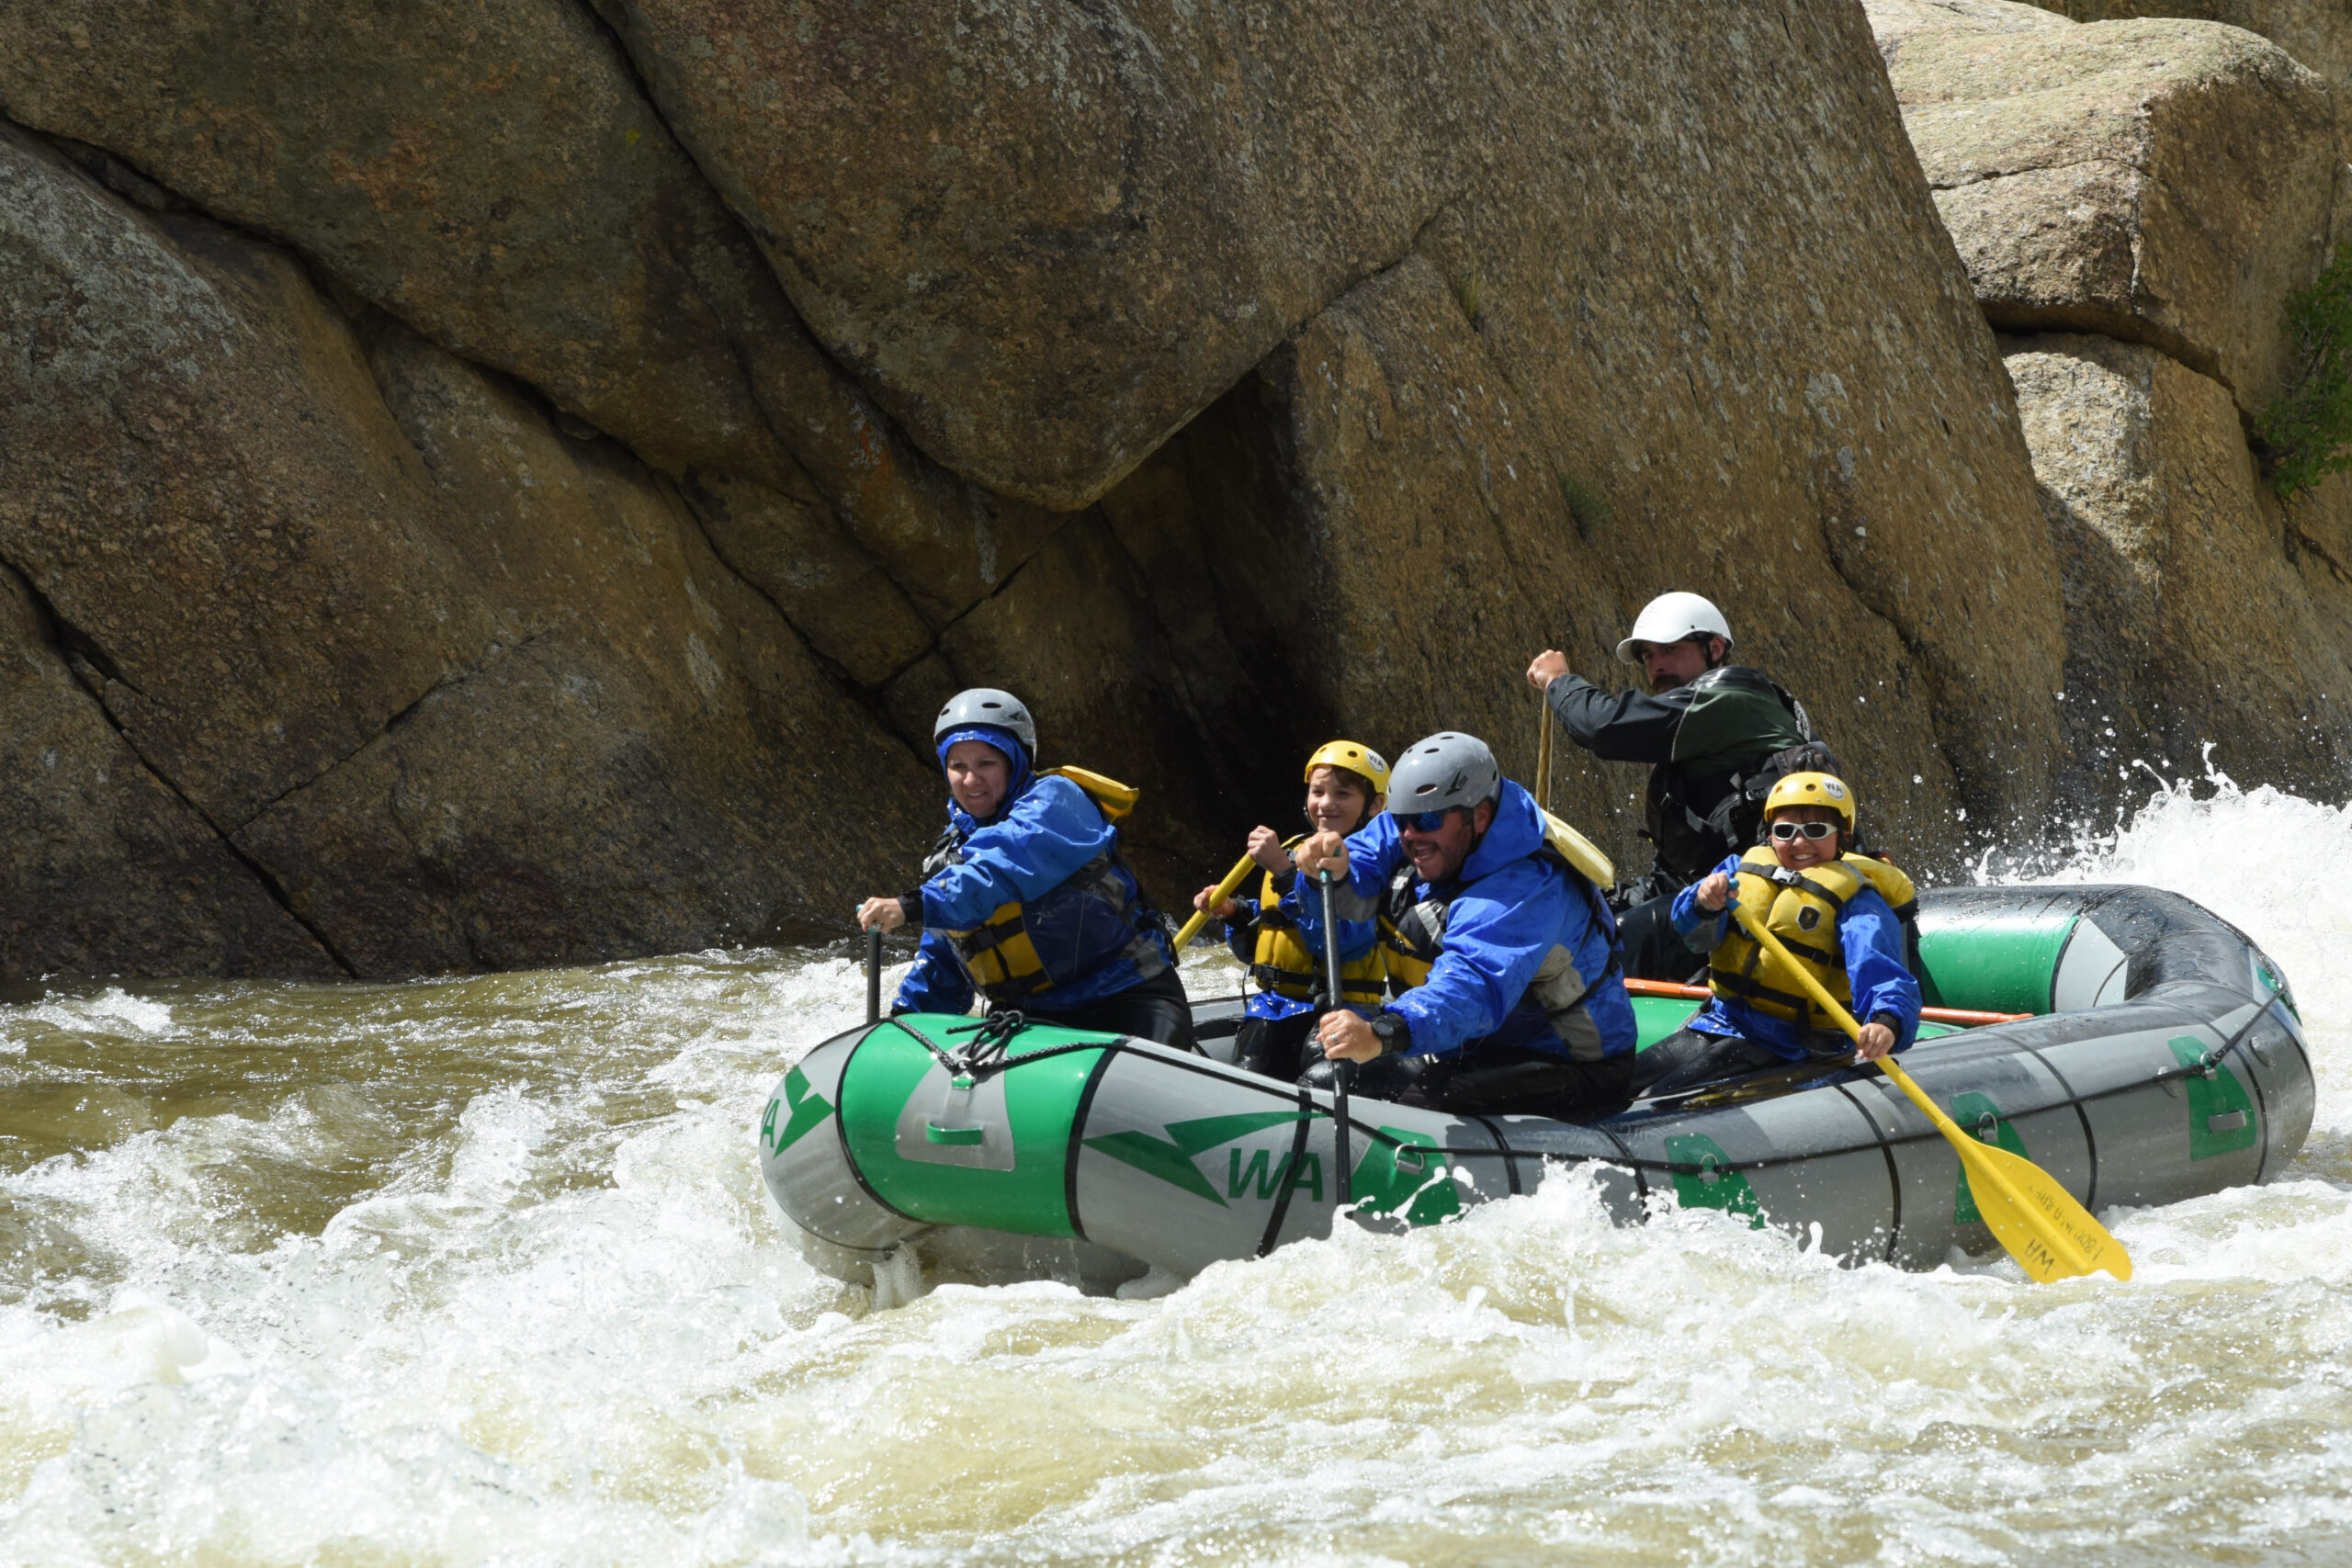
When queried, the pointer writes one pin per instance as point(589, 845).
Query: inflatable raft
point(2161, 1058)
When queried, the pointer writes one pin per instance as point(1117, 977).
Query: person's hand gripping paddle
point(1341, 1071)
point(2049, 1234)
point(1224, 890)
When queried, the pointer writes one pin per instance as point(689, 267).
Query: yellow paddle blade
point(2037, 1221)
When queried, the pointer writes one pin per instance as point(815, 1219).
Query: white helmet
point(987, 704)
point(1670, 618)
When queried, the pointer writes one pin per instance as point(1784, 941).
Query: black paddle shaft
point(1341, 1071)
point(874, 975)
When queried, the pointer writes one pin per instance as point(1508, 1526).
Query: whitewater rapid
point(481, 1272)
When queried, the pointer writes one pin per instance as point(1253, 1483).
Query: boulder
point(2191, 618)
point(1365, 354)
point(458, 688)
point(2318, 33)
point(2156, 181)
point(788, 547)
point(1045, 237)
point(248, 570)
point(108, 868)
point(1577, 392)
point(489, 171)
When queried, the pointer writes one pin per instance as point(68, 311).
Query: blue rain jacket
point(1356, 938)
point(1867, 934)
point(1510, 907)
point(1041, 834)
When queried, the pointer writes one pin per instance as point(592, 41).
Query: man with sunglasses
point(1717, 736)
point(1506, 994)
point(1838, 915)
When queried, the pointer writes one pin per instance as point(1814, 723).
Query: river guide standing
point(1716, 735)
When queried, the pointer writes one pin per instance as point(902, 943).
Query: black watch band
point(1396, 1036)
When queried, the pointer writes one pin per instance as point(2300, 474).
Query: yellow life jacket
point(1285, 965)
point(1111, 797)
point(1802, 909)
point(1576, 849)
point(1412, 932)
point(1000, 953)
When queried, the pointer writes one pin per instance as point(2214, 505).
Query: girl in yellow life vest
point(1839, 915)
point(1347, 786)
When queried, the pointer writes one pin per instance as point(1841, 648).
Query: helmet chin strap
point(1478, 834)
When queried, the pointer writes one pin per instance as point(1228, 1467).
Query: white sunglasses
point(1789, 832)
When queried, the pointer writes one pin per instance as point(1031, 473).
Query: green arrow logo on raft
point(808, 1109)
point(1171, 1159)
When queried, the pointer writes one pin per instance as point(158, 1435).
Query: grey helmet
point(986, 705)
point(1446, 770)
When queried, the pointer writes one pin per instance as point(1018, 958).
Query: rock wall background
point(509, 482)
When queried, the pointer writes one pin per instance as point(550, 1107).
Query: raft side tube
point(842, 1229)
point(2165, 1062)
point(1185, 1162)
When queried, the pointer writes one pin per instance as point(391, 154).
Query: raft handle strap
point(971, 1065)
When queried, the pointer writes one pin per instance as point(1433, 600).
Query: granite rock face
point(1551, 410)
point(489, 171)
point(2189, 620)
point(452, 688)
point(511, 482)
point(2318, 33)
point(2165, 185)
point(105, 862)
point(1045, 236)
point(2163, 182)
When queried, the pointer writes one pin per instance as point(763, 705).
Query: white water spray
point(481, 1272)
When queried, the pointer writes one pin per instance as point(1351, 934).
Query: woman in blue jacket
point(1025, 900)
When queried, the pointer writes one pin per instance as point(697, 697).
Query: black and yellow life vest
point(1285, 965)
point(1096, 916)
point(1739, 733)
point(1802, 909)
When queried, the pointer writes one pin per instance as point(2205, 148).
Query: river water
point(480, 1271)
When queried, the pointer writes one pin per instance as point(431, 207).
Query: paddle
point(1341, 1071)
point(1959, 1017)
point(1544, 752)
point(874, 975)
point(1190, 927)
point(2049, 1234)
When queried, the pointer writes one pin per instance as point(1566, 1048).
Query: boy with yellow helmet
point(1346, 785)
point(1840, 914)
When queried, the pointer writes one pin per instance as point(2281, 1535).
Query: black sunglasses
point(1422, 821)
point(1789, 832)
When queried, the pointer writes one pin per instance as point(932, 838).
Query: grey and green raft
point(2164, 1060)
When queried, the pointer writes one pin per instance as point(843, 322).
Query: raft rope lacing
point(986, 1054)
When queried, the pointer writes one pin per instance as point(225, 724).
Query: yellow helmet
point(1812, 789)
point(1356, 759)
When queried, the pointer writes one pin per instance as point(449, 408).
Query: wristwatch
point(1396, 1036)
